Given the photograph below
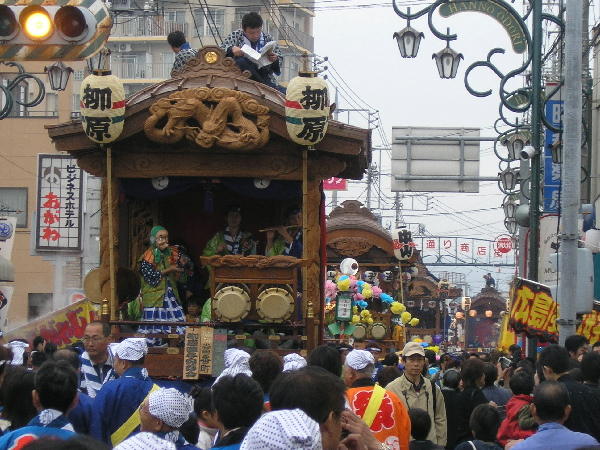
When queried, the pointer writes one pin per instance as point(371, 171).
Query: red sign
point(503, 244)
point(335, 184)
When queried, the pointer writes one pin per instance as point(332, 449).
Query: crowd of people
point(100, 396)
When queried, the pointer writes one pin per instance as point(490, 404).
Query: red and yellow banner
point(590, 327)
point(533, 311)
point(62, 327)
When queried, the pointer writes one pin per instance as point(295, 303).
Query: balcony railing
point(286, 33)
point(147, 26)
point(135, 70)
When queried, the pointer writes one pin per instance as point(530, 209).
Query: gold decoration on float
point(209, 117)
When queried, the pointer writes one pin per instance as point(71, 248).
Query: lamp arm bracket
point(487, 63)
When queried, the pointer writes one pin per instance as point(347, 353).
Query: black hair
point(70, 356)
point(491, 374)
point(574, 342)
point(514, 348)
point(56, 385)
point(50, 349)
point(312, 389)
point(576, 374)
point(77, 442)
point(16, 396)
point(391, 359)
point(420, 423)
point(37, 341)
point(6, 355)
point(328, 358)
point(190, 429)
point(590, 367)
point(388, 374)
point(526, 364)
point(430, 355)
point(550, 399)
point(556, 358)
point(265, 366)
point(252, 20)
point(596, 344)
point(176, 39)
point(105, 327)
point(471, 372)
point(521, 382)
point(484, 422)
point(194, 300)
point(38, 358)
point(237, 400)
point(202, 399)
point(451, 379)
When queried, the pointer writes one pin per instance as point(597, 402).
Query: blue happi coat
point(81, 415)
point(59, 428)
point(117, 401)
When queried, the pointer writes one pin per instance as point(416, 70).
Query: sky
point(408, 92)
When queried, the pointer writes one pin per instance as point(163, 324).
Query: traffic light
point(68, 32)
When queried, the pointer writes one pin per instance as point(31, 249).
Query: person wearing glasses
point(159, 269)
point(96, 360)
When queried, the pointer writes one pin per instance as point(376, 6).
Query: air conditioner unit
point(124, 47)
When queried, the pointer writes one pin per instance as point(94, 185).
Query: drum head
point(360, 332)
point(275, 304)
point(231, 304)
point(378, 331)
point(92, 285)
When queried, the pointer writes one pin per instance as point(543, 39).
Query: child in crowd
point(420, 424)
point(207, 420)
point(519, 423)
point(484, 423)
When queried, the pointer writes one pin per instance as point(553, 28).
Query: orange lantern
point(472, 312)
point(489, 313)
point(460, 315)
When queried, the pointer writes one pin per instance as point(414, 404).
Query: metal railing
point(147, 26)
point(285, 33)
point(137, 70)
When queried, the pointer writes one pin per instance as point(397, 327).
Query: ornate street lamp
point(447, 60)
point(515, 142)
point(510, 223)
point(58, 75)
point(509, 178)
point(510, 206)
point(408, 40)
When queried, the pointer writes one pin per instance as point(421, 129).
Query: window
point(38, 305)
point(78, 75)
point(208, 19)
point(241, 12)
point(175, 16)
point(76, 103)
point(13, 201)
point(51, 104)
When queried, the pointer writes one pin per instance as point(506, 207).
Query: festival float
point(189, 149)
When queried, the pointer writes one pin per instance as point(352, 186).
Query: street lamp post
point(521, 100)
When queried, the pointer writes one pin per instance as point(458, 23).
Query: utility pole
point(397, 203)
point(586, 157)
point(369, 181)
point(571, 170)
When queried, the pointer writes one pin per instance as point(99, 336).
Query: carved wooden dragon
point(208, 117)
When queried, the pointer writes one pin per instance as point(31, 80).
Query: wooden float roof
point(345, 151)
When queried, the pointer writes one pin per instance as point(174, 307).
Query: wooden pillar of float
point(108, 239)
point(311, 290)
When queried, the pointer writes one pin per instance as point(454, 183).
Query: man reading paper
point(244, 45)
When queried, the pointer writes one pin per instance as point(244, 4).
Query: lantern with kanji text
point(307, 109)
point(102, 107)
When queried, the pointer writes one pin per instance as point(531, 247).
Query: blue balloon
point(386, 298)
point(343, 277)
point(424, 344)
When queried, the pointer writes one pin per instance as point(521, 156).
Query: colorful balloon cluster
point(361, 292)
point(427, 345)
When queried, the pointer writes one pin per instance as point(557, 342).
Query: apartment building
point(48, 280)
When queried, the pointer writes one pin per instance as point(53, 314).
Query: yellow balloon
point(413, 322)
point(406, 316)
point(402, 307)
point(344, 285)
point(396, 308)
point(365, 313)
point(355, 319)
point(367, 292)
point(370, 321)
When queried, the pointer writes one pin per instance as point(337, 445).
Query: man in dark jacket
point(585, 403)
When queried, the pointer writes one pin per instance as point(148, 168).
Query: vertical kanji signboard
point(59, 215)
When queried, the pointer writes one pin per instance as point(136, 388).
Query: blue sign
point(554, 110)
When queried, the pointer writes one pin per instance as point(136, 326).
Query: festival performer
point(163, 412)
point(232, 240)
point(116, 406)
point(289, 240)
point(55, 392)
point(382, 411)
point(96, 360)
point(159, 270)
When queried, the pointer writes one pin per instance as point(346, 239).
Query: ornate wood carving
point(257, 261)
point(312, 272)
point(210, 58)
point(422, 288)
point(140, 224)
point(209, 117)
point(350, 246)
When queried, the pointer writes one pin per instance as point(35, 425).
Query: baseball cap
point(413, 348)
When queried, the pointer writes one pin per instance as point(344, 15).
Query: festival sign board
point(335, 184)
point(59, 203)
point(62, 327)
point(549, 244)
point(533, 310)
point(191, 353)
point(590, 327)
